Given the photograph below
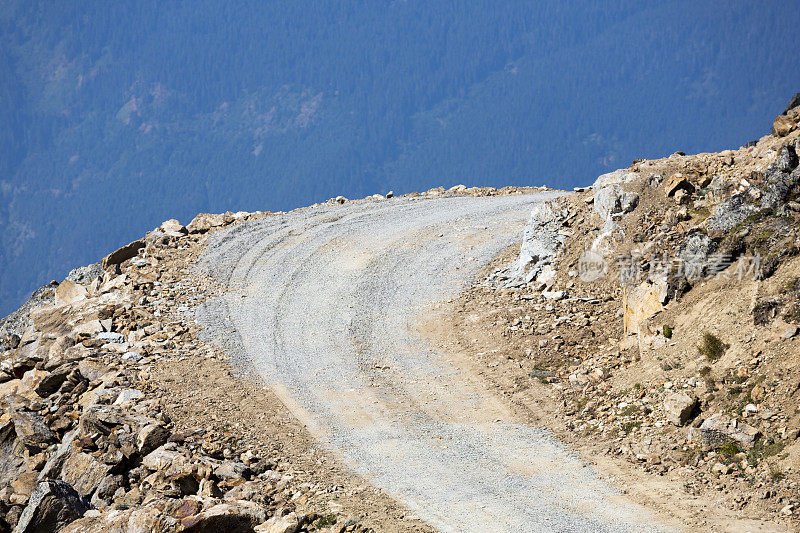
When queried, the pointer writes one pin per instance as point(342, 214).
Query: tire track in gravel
point(322, 306)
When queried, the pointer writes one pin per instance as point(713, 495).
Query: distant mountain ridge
point(118, 116)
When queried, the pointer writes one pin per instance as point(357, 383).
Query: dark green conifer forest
point(118, 115)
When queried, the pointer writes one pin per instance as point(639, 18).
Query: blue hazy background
point(117, 115)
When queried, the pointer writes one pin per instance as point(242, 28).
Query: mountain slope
point(119, 116)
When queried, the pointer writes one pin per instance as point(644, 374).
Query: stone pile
point(85, 444)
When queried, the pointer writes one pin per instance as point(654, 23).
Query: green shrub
point(712, 346)
point(326, 520)
point(667, 331)
point(729, 449)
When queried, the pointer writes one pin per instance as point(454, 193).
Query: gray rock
point(541, 243)
point(12, 462)
point(86, 274)
point(679, 407)
point(230, 470)
point(731, 213)
point(694, 254)
point(719, 429)
point(618, 177)
point(52, 505)
point(110, 336)
point(31, 430)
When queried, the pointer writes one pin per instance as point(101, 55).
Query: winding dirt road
point(323, 304)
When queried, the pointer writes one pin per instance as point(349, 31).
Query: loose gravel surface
point(323, 303)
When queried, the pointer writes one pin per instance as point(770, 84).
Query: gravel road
point(323, 304)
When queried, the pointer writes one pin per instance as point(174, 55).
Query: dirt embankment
point(660, 339)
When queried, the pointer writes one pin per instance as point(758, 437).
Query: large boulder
point(52, 505)
point(69, 291)
point(540, 244)
point(173, 227)
point(679, 407)
point(84, 472)
point(618, 177)
point(731, 213)
point(783, 125)
point(641, 302)
point(129, 251)
point(237, 516)
point(149, 518)
point(205, 221)
point(694, 254)
point(80, 316)
point(719, 429)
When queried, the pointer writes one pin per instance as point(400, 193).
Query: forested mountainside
point(118, 115)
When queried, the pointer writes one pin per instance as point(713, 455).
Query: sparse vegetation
point(627, 427)
point(775, 472)
point(325, 520)
point(763, 237)
point(712, 347)
point(667, 330)
point(729, 449)
point(764, 448)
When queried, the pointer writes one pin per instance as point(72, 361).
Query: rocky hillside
point(115, 416)
point(87, 440)
point(656, 314)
